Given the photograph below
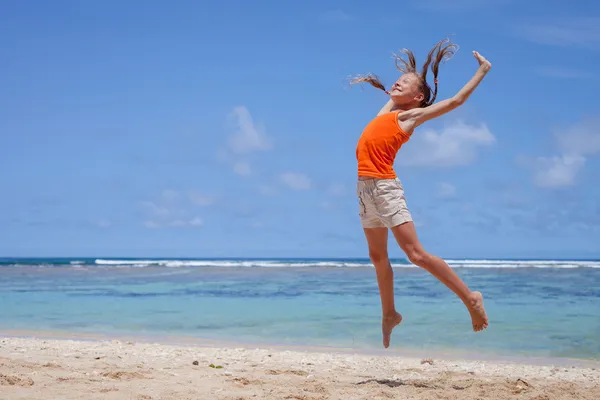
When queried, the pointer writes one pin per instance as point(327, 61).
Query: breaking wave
point(282, 263)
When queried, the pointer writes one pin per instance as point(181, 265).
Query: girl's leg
point(407, 239)
point(377, 241)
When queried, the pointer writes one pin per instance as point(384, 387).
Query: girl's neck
point(403, 107)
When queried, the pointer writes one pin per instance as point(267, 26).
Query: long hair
point(442, 51)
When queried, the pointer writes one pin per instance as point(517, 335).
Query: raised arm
point(421, 115)
point(386, 108)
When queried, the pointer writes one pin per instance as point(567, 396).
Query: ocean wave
point(524, 263)
point(288, 263)
point(347, 263)
point(234, 263)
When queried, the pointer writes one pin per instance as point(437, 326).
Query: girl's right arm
point(386, 108)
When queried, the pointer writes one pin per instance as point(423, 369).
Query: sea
point(537, 308)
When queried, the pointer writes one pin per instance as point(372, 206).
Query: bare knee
point(378, 256)
point(417, 255)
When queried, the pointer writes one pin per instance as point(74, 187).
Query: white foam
point(523, 263)
point(342, 264)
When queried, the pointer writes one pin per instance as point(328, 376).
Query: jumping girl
point(380, 193)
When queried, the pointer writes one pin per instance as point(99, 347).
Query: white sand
point(76, 369)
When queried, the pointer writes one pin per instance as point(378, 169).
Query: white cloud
point(337, 189)
point(257, 224)
point(446, 190)
point(248, 136)
point(170, 195)
point(576, 144)
point(562, 73)
point(582, 32)
point(327, 205)
point(173, 210)
point(175, 223)
point(157, 210)
point(151, 225)
point(556, 172)
point(582, 138)
point(104, 223)
point(198, 199)
point(295, 181)
point(267, 190)
point(455, 145)
point(196, 222)
point(164, 206)
point(242, 168)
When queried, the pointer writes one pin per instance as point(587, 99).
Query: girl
point(380, 193)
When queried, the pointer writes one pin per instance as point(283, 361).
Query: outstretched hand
point(483, 62)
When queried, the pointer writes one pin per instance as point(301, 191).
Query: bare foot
point(387, 324)
point(477, 311)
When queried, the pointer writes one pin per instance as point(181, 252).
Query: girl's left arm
point(421, 115)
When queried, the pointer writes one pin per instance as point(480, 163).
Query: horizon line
point(283, 258)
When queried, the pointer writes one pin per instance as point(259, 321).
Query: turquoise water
point(536, 308)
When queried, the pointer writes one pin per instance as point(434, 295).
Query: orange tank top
point(377, 147)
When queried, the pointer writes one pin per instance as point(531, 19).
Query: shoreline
point(88, 368)
point(199, 342)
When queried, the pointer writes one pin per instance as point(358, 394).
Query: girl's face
point(407, 90)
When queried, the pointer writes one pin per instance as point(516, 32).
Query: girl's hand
point(484, 64)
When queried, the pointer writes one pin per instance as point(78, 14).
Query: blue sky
point(200, 129)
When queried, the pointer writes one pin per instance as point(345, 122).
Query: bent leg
point(407, 239)
point(377, 239)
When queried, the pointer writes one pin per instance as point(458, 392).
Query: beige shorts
point(382, 203)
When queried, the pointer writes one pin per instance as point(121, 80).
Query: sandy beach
point(36, 368)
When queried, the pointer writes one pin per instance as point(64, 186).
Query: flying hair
point(443, 51)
